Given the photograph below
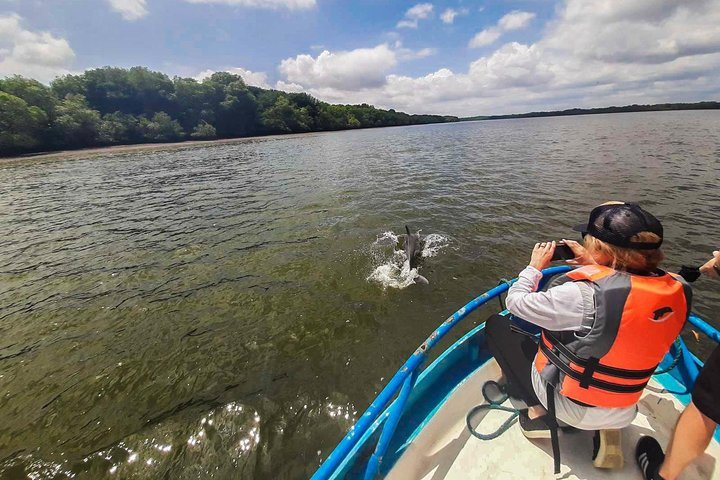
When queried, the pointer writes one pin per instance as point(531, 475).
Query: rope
point(676, 358)
point(492, 405)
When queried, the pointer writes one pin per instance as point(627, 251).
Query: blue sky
point(454, 57)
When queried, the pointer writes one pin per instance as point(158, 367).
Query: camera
point(562, 252)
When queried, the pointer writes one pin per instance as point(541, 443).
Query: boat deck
point(444, 449)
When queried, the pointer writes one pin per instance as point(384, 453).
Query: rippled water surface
point(207, 312)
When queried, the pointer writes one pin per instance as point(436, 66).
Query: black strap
point(594, 382)
point(595, 364)
point(553, 425)
point(589, 371)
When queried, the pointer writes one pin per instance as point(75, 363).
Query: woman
point(605, 327)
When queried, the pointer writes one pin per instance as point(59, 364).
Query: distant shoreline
point(144, 147)
point(139, 147)
point(658, 107)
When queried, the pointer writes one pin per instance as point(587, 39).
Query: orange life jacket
point(637, 318)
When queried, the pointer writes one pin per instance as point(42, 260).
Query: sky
point(455, 57)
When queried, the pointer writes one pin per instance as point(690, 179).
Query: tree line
point(117, 106)
point(658, 107)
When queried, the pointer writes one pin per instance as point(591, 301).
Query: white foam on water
point(392, 266)
point(433, 244)
point(390, 275)
point(385, 237)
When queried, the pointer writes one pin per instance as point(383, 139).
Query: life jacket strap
point(588, 372)
point(594, 364)
point(592, 382)
point(553, 425)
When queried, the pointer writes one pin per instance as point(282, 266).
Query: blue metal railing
point(705, 328)
point(404, 380)
point(396, 411)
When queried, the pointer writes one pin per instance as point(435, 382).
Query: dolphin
point(414, 244)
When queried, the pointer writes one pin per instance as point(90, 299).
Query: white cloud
point(421, 10)
point(414, 14)
point(130, 9)
point(407, 54)
point(448, 16)
point(38, 55)
point(351, 70)
point(407, 24)
point(271, 4)
point(637, 32)
point(289, 87)
point(354, 70)
point(514, 20)
point(485, 37)
point(590, 54)
point(256, 79)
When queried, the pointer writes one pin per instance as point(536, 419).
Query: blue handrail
point(396, 411)
point(378, 405)
point(704, 327)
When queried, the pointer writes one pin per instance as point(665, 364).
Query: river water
point(228, 311)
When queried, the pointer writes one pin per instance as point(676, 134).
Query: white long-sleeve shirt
point(567, 307)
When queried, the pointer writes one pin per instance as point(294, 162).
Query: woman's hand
point(582, 256)
point(711, 266)
point(541, 255)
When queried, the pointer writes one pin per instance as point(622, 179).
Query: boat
point(419, 427)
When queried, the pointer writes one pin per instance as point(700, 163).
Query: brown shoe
point(607, 451)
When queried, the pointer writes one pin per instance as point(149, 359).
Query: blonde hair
point(627, 258)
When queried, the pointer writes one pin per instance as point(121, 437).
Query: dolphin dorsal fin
point(407, 229)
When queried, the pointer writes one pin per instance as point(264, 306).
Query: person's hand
point(582, 256)
point(711, 266)
point(541, 255)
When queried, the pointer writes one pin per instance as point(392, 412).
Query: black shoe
point(649, 456)
point(535, 428)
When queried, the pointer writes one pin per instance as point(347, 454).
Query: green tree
point(331, 117)
point(116, 105)
point(162, 128)
point(193, 102)
point(224, 78)
point(153, 90)
point(21, 125)
point(237, 113)
point(203, 131)
point(33, 92)
point(353, 122)
point(137, 91)
point(284, 117)
point(76, 124)
point(68, 85)
point(121, 128)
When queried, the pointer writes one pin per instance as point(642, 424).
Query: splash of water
point(392, 267)
point(433, 244)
